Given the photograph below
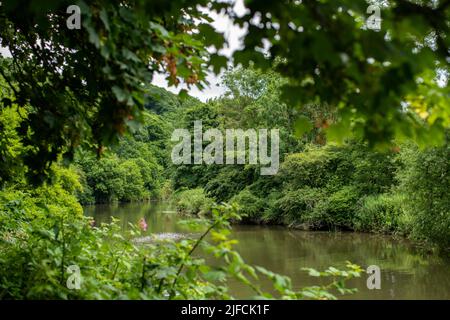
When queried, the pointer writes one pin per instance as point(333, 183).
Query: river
point(406, 272)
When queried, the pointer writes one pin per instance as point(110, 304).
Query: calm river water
point(406, 273)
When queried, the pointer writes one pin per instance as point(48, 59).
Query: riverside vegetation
point(401, 190)
point(364, 140)
point(320, 186)
point(43, 230)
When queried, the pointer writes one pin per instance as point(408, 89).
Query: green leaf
point(218, 62)
point(104, 18)
point(211, 36)
point(93, 36)
point(120, 94)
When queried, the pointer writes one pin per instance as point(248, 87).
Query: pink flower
point(143, 224)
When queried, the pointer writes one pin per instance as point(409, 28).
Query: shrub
point(337, 210)
point(250, 206)
point(299, 206)
point(132, 180)
point(374, 172)
point(193, 201)
point(230, 180)
point(166, 190)
point(57, 200)
point(314, 208)
point(314, 167)
point(382, 213)
point(425, 181)
point(113, 179)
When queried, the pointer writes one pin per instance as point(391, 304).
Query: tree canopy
point(87, 86)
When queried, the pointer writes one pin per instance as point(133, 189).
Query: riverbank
point(381, 214)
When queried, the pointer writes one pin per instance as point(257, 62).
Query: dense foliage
point(425, 181)
point(43, 231)
point(322, 185)
point(364, 137)
point(83, 87)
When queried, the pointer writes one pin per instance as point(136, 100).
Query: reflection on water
point(159, 216)
point(405, 272)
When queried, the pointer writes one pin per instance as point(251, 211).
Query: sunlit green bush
point(382, 213)
point(113, 179)
point(299, 207)
point(425, 183)
point(338, 208)
point(250, 206)
point(192, 202)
